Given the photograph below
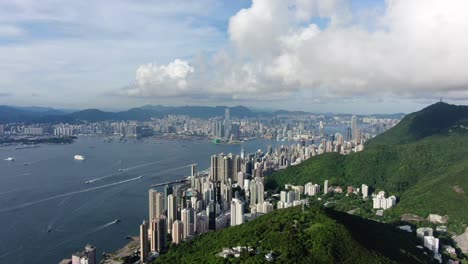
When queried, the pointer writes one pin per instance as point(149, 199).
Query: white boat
point(10, 159)
point(79, 157)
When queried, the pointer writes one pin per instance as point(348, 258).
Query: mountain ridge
point(12, 114)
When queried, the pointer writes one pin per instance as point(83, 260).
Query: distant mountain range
point(35, 114)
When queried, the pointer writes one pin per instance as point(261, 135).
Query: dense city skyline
point(314, 56)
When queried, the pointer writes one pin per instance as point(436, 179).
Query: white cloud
point(8, 31)
point(414, 49)
point(165, 80)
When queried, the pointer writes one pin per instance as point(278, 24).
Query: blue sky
point(334, 56)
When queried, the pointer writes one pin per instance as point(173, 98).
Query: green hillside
point(436, 119)
point(423, 160)
point(312, 236)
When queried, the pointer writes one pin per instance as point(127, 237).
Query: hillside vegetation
point(312, 236)
point(423, 160)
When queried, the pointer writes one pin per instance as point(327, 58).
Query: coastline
point(122, 255)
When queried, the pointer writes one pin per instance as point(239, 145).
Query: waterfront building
point(90, 251)
point(171, 211)
point(87, 256)
point(144, 245)
point(156, 204)
point(214, 168)
point(325, 187)
point(193, 170)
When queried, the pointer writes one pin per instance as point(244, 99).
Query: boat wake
point(105, 225)
point(4, 210)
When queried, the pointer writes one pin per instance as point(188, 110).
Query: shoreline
point(118, 256)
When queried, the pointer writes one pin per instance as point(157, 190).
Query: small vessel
point(79, 157)
point(116, 221)
point(49, 230)
point(25, 164)
point(10, 159)
point(87, 182)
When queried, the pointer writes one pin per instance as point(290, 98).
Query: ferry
point(79, 157)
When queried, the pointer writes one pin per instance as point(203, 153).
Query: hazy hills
point(12, 114)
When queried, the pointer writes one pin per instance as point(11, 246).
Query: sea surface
point(48, 212)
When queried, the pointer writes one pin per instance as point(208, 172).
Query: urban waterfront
point(48, 212)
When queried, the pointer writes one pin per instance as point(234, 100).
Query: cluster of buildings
point(87, 256)
point(426, 234)
point(309, 127)
point(380, 202)
point(232, 190)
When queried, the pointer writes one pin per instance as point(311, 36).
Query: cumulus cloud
point(169, 79)
point(413, 49)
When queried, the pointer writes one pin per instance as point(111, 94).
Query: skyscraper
point(354, 126)
point(153, 231)
point(193, 174)
point(171, 211)
point(186, 215)
point(227, 113)
point(260, 192)
point(348, 134)
point(144, 245)
point(214, 168)
point(167, 191)
point(91, 253)
point(226, 168)
point(253, 192)
point(321, 129)
point(237, 212)
point(156, 204)
point(158, 238)
point(177, 232)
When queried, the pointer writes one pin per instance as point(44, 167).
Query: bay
point(48, 212)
